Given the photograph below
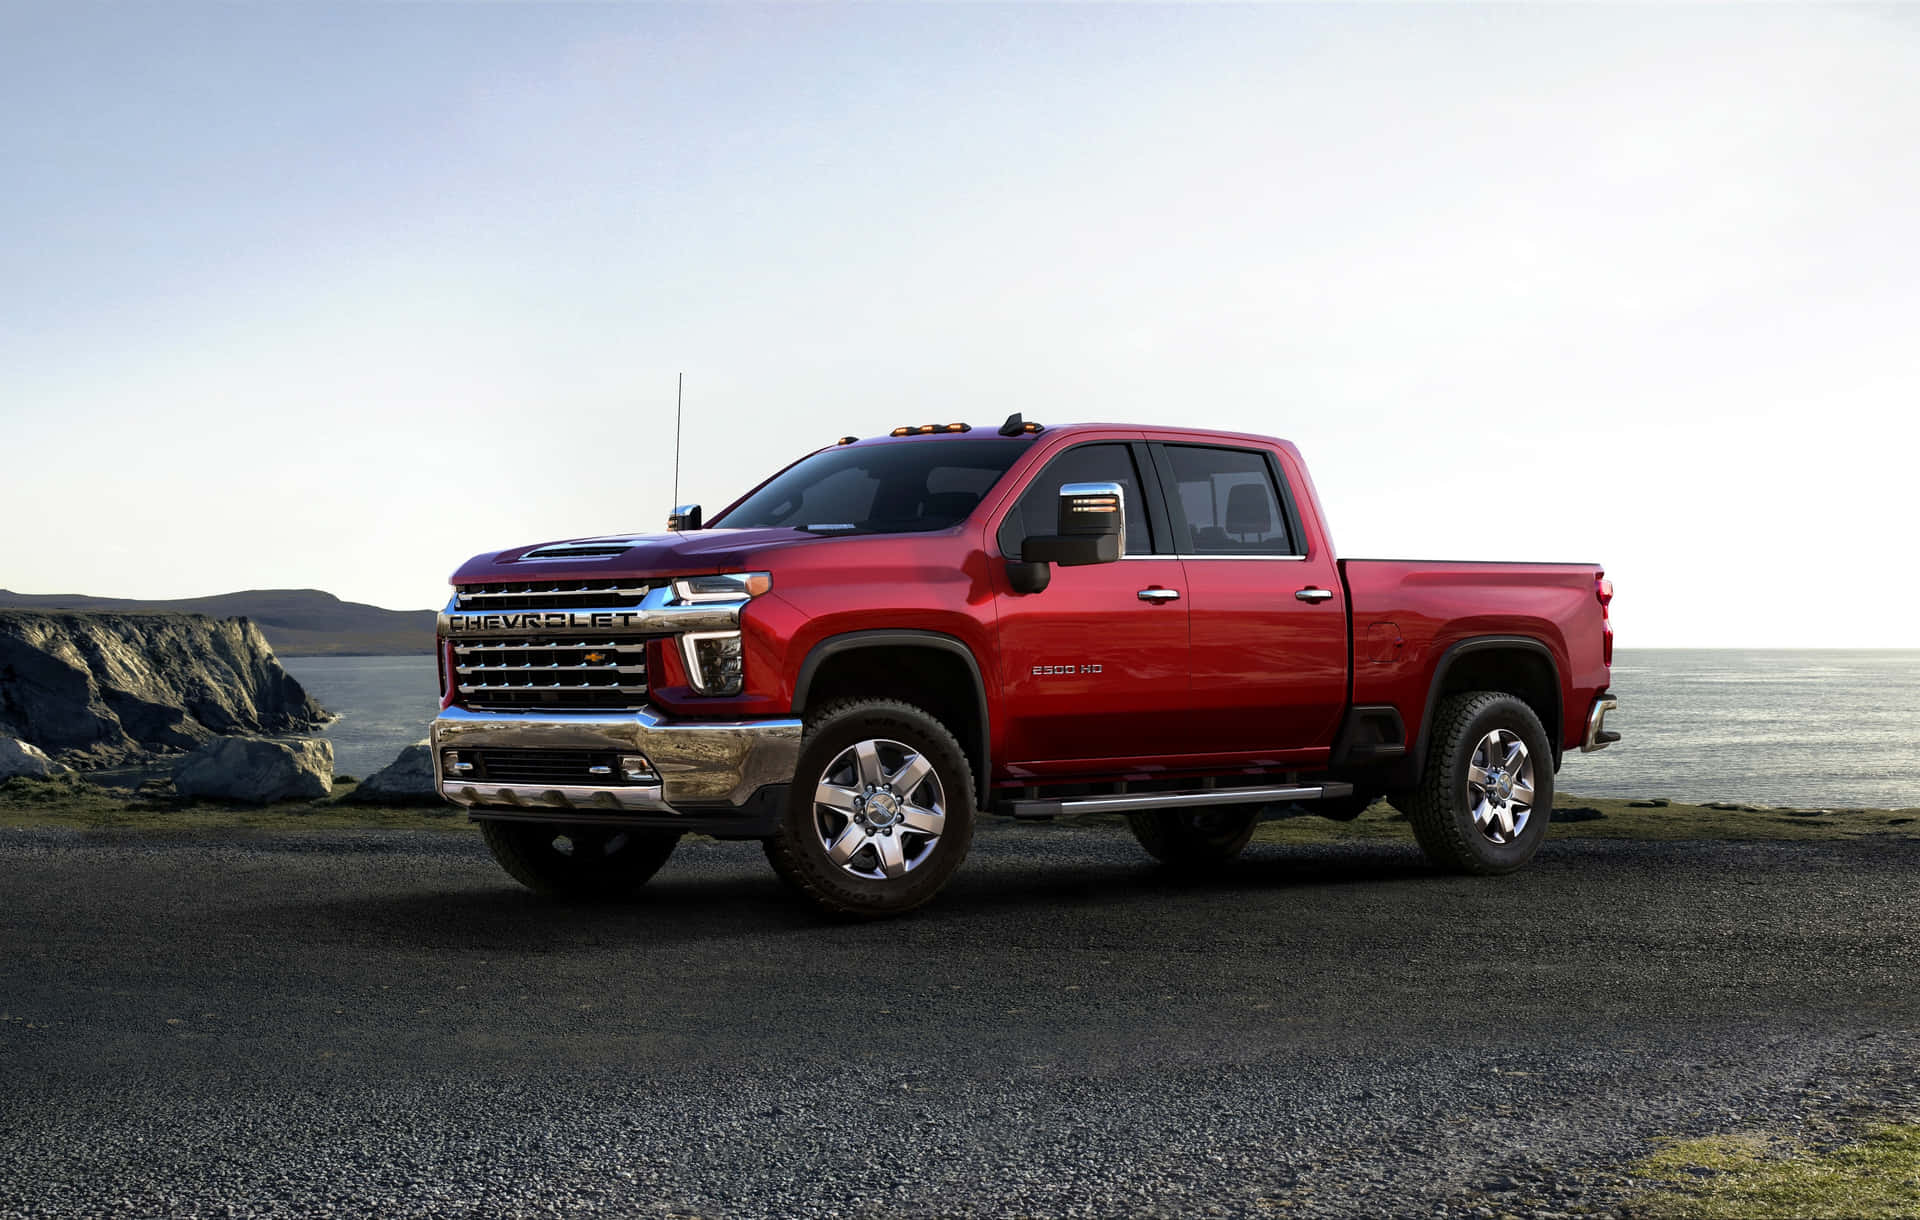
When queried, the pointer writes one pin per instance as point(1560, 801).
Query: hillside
point(100, 689)
point(297, 622)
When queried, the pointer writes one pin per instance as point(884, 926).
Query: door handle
point(1157, 594)
point(1311, 594)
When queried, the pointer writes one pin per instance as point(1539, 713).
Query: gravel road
point(380, 1023)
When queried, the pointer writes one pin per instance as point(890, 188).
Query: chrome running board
point(1135, 802)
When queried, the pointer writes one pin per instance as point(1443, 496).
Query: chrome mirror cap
point(684, 517)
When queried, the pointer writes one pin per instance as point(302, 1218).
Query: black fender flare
point(854, 641)
point(1417, 759)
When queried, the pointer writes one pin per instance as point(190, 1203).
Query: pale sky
point(338, 296)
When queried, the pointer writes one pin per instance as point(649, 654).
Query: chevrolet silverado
point(893, 636)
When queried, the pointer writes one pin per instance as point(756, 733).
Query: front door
point(1095, 666)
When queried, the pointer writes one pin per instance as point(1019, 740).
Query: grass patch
point(1577, 817)
point(72, 803)
point(1752, 1178)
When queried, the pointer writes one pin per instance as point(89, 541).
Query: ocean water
point(1824, 729)
point(1821, 729)
point(384, 704)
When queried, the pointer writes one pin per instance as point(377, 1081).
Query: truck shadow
point(723, 893)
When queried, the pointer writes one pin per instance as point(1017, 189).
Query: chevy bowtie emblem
point(594, 658)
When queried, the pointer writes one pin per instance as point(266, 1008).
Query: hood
point(685, 554)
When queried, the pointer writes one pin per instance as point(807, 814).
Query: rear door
point(1269, 632)
point(1094, 664)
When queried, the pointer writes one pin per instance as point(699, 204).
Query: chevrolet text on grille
point(556, 620)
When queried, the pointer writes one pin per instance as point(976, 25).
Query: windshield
point(909, 487)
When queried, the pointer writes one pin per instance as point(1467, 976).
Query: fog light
point(450, 763)
point(634, 768)
point(713, 661)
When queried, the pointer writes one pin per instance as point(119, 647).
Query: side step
point(1134, 802)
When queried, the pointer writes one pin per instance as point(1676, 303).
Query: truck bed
point(1407, 614)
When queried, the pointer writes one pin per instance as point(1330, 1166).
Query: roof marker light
point(929, 429)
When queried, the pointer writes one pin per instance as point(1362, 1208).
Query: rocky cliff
point(99, 689)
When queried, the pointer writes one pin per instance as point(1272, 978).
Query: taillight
point(1603, 589)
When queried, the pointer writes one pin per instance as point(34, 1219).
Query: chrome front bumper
point(1598, 738)
point(702, 766)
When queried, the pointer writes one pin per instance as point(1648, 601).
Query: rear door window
point(1225, 503)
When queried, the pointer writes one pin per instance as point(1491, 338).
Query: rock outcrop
point(257, 770)
point(99, 689)
point(407, 780)
point(21, 758)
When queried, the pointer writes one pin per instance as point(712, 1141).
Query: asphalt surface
point(381, 1023)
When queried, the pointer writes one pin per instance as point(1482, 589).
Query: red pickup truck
point(895, 635)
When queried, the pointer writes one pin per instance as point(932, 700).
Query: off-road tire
point(1439, 808)
point(1189, 839)
point(797, 853)
point(578, 861)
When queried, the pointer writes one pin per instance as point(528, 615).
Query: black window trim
point(1158, 515)
point(1159, 519)
point(1163, 468)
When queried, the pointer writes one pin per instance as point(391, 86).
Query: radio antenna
point(679, 385)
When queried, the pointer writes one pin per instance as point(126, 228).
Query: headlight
point(713, 661)
point(728, 587)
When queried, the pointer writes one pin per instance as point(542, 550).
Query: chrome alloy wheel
point(1500, 786)
point(879, 809)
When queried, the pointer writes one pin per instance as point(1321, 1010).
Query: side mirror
point(1024, 577)
point(1093, 521)
point(684, 517)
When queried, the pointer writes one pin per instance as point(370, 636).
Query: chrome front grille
point(550, 595)
point(559, 673)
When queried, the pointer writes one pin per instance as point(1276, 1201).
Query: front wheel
point(881, 810)
point(1486, 796)
point(578, 861)
point(1188, 839)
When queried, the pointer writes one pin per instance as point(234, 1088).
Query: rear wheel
point(1194, 838)
point(881, 811)
point(578, 861)
point(1486, 795)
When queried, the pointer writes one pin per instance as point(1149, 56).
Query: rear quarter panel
point(1429, 606)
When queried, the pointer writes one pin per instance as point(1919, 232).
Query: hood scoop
point(592, 548)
